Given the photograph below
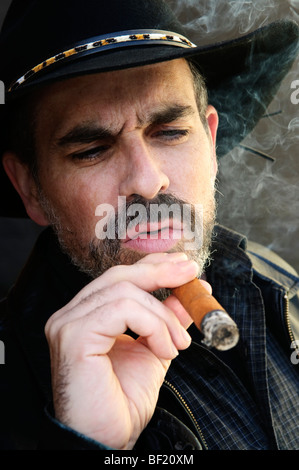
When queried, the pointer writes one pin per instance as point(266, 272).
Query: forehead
point(113, 100)
point(112, 89)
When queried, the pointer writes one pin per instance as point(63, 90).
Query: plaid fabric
point(284, 396)
point(246, 398)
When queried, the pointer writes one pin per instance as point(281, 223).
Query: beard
point(96, 256)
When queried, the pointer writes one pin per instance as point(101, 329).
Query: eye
point(172, 135)
point(91, 154)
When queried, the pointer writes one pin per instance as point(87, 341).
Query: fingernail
point(174, 350)
point(187, 265)
point(186, 335)
point(177, 257)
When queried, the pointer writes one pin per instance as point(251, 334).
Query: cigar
point(218, 328)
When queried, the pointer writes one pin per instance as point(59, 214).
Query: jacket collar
point(230, 250)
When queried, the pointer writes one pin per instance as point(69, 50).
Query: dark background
point(256, 197)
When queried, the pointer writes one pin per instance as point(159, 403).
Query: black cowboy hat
point(46, 40)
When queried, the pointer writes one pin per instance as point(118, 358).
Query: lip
point(154, 237)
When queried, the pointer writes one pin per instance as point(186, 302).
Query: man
point(107, 115)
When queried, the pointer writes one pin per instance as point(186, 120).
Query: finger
point(206, 285)
point(147, 276)
point(161, 257)
point(176, 307)
point(95, 333)
point(117, 292)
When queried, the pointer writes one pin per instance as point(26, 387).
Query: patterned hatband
point(117, 40)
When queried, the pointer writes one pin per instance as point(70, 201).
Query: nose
point(143, 174)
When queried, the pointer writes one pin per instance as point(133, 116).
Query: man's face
point(134, 134)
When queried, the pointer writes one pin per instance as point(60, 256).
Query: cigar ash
point(219, 330)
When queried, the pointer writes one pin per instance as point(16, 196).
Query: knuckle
point(124, 304)
point(162, 271)
point(65, 334)
point(116, 271)
point(58, 332)
point(51, 326)
point(125, 286)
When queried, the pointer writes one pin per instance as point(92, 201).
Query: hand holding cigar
point(218, 328)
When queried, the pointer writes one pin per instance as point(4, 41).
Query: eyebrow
point(169, 114)
point(85, 133)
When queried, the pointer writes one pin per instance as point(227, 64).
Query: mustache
point(121, 218)
point(162, 207)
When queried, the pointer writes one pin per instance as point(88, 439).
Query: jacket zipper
point(191, 415)
point(287, 317)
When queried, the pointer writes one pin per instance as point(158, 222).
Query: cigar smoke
point(257, 197)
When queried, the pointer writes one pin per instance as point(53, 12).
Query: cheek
point(193, 177)
point(75, 199)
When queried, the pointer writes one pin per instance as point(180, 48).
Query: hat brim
point(242, 77)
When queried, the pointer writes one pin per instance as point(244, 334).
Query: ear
point(212, 120)
point(23, 182)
